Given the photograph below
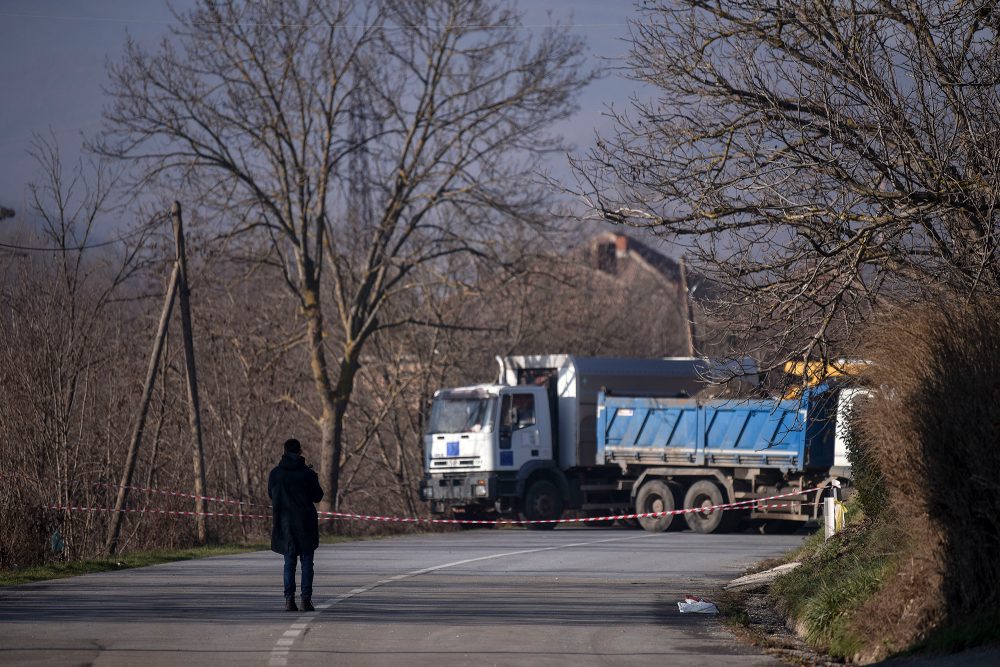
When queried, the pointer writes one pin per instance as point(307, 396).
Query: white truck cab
point(478, 433)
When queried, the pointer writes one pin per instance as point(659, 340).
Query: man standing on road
point(294, 488)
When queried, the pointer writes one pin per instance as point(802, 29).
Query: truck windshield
point(461, 415)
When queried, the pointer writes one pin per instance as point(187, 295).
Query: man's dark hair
point(293, 446)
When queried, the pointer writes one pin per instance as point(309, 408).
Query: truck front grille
point(455, 464)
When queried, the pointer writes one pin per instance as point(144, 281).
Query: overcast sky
point(53, 55)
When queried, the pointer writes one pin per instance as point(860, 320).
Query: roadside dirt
point(753, 619)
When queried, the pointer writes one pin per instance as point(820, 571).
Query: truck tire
point(704, 493)
point(655, 496)
point(541, 502)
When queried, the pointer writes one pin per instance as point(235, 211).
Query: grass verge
point(835, 579)
point(823, 598)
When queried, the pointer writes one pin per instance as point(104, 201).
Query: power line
point(359, 26)
point(89, 246)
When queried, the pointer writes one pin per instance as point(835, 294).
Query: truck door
point(520, 437)
point(546, 378)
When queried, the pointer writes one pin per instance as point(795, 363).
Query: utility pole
point(147, 391)
point(194, 411)
point(178, 285)
point(688, 308)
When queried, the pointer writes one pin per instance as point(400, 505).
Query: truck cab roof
point(472, 391)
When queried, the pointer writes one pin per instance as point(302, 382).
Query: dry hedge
point(932, 432)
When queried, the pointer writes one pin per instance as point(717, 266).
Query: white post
point(830, 516)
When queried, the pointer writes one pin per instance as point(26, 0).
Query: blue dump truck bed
point(788, 435)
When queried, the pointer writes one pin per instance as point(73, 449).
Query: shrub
point(25, 529)
point(835, 577)
point(869, 493)
point(930, 435)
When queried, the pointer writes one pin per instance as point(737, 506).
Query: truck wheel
point(655, 496)
point(704, 494)
point(541, 502)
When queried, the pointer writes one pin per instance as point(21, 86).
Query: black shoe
point(307, 605)
point(290, 604)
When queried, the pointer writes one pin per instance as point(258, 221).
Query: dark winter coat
point(294, 487)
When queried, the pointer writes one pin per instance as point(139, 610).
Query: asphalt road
point(491, 597)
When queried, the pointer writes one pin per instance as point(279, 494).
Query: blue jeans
point(307, 575)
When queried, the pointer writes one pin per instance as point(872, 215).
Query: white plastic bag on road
point(696, 605)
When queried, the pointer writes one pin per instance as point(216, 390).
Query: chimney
point(621, 245)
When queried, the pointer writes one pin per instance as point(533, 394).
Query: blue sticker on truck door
point(453, 448)
point(507, 458)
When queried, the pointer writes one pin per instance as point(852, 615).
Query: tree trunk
point(329, 444)
point(345, 388)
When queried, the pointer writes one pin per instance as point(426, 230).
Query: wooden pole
point(194, 411)
point(147, 391)
point(689, 309)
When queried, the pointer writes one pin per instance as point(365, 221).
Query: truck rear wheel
point(705, 494)
point(542, 502)
point(655, 496)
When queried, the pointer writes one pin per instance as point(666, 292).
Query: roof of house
point(630, 249)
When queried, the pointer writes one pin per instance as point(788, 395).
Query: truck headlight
point(427, 492)
point(481, 491)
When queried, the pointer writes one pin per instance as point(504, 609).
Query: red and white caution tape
point(757, 503)
point(149, 510)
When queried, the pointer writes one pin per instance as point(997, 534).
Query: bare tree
point(58, 313)
point(819, 157)
point(356, 142)
point(249, 377)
